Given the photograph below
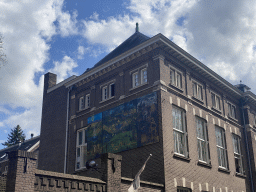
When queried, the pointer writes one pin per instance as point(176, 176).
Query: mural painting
point(127, 126)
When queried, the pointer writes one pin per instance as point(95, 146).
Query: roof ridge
point(134, 40)
point(18, 143)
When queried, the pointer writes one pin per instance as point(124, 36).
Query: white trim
point(34, 146)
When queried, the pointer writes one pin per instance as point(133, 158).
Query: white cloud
point(27, 27)
point(81, 50)
point(221, 35)
point(64, 68)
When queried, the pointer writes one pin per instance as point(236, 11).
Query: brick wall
point(3, 179)
point(52, 181)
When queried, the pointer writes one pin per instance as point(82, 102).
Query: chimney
point(32, 135)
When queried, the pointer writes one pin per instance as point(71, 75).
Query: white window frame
point(175, 77)
point(195, 89)
point(215, 104)
point(237, 153)
point(144, 76)
point(81, 103)
point(84, 102)
point(106, 91)
point(138, 76)
point(179, 131)
point(202, 140)
point(221, 148)
point(87, 101)
point(81, 149)
point(231, 110)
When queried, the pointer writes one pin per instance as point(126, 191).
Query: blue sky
point(67, 37)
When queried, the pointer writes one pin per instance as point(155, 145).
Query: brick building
point(150, 96)
point(30, 145)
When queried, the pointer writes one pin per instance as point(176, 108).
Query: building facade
point(149, 96)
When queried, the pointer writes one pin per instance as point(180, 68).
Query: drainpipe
point(247, 148)
point(66, 141)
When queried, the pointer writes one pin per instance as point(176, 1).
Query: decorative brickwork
point(52, 181)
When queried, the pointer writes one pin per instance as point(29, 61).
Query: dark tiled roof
point(134, 40)
point(26, 145)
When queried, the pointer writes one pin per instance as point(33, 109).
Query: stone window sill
point(204, 164)
point(198, 100)
point(216, 110)
point(107, 99)
point(224, 170)
point(177, 88)
point(181, 157)
point(240, 175)
point(138, 86)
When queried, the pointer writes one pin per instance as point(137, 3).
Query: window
point(183, 189)
point(175, 77)
point(108, 91)
point(216, 101)
point(221, 147)
point(139, 77)
point(81, 149)
point(237, 153)
point(179, 131)
point(231, 111)
point(197, 91)
point(202, 140)
point(144, 76)
point(135, 79)
point(84, 102)
point(254, 119)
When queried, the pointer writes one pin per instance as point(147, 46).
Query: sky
point(66, 37)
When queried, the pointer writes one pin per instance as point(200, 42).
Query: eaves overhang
point(251, 97)
point(117, 59)
point(201, 68)
point(161, 41)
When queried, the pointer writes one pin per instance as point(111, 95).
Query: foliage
point(15, 136)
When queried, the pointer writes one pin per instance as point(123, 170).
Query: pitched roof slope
point(25, 146)
point(134, 40)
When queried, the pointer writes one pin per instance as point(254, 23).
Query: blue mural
point(127, 126)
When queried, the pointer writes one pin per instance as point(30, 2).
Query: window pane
point(178, 80)
point(177, 119)
point(80, 138)
point(144, 75)
point(233, 112)
point(213, 100)
point(217, 102)
point(219, 137)
point(194, 90)
point(78, 152)
point(200, 92)
point(112, 88)
point(178, 142)
point(172, 77)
